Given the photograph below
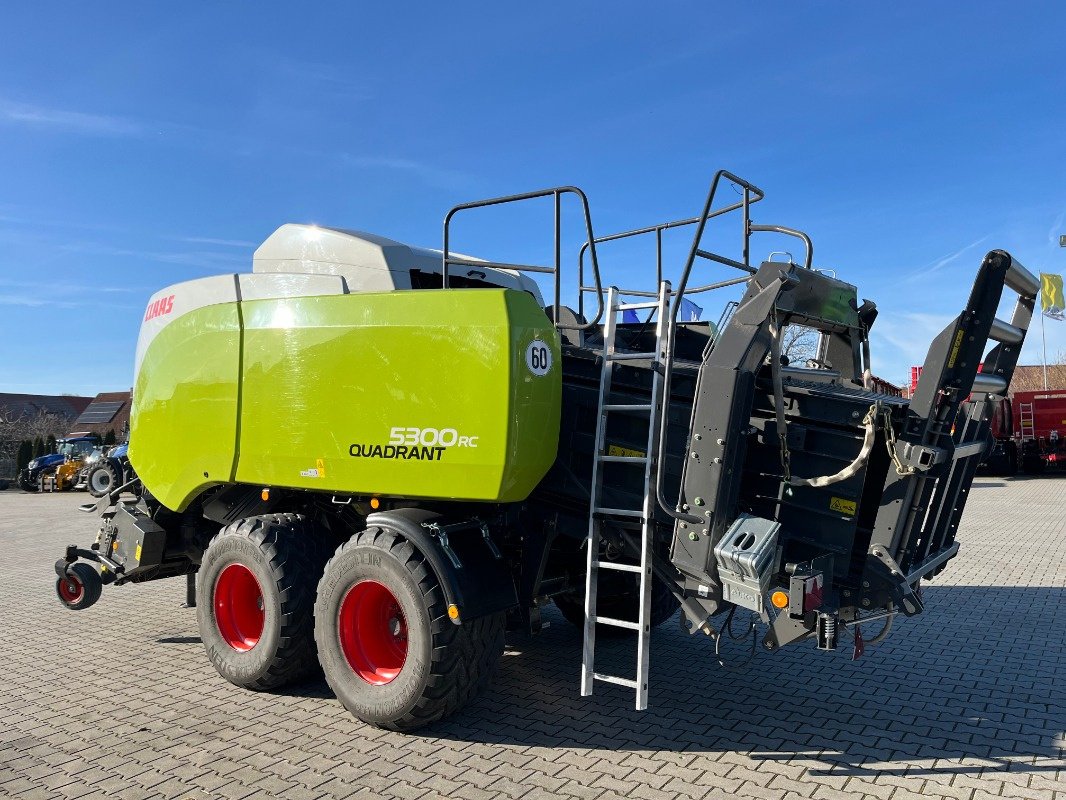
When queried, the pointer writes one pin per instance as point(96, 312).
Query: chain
point(890, 442)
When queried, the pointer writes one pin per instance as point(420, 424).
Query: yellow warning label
point(137, 553)
point(842, 506)
point(615, 450)
point(321, 464)
point(955, 348)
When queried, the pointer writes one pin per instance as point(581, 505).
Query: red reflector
point(812, 593)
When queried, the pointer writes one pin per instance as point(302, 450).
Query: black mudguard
point(480, 586)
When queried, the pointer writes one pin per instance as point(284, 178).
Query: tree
point(25, 453)
point(50, 444)
point(109, 437)
point(799, 343)
point(38, 447)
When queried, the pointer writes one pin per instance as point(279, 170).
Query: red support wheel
point(239, 608)
point(373, 632)
point(80, 588)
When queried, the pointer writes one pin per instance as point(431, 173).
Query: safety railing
point(556, 193)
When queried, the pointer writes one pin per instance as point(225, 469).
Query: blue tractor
point(72, 451)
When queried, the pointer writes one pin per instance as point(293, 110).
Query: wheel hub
point(70, 589)
point(239, 607)
point(373, 632)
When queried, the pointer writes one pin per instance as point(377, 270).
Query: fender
point(481, 586)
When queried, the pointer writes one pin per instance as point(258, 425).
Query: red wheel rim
point(373, 632)
point(70, 589)
point(239, 609)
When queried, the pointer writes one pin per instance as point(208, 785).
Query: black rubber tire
point(81, 588)
point(446, 664)
point(102, 467)
point(285, 554)
point(26, 484)
point(663, 606)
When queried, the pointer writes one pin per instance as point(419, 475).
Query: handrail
point(658, 231)
point(556, 193)
point(788, 232)
point(675, 307)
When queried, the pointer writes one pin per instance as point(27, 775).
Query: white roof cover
point(367, 262)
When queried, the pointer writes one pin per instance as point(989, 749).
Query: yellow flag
point(1051, 296)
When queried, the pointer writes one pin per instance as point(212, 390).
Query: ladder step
point(627, 407)
point(617, 623)
point(617, 566)
point(624, 459)
point(632, 356)
point(618, 512)
point(635, 306)
point(614, 679)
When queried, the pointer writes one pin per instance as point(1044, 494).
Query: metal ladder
point(1028, 430)
point(599, 514)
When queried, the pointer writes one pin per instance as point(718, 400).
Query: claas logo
point(163, 305)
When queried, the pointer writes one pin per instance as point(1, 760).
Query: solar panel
point(98, 413)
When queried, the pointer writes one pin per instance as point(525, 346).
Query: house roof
point(29, 405)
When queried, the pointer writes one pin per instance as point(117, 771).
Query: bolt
point(684, 507)
point(717, 461)
point(699, 437)
point(694, 454)
point(865, 584)
point(721, 441)
point(695, 537)
point(866, 603)
point(847, 593)
point(699, 501)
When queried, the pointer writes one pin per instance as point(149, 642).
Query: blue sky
point(144, 144)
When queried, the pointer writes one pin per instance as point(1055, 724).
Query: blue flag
point(690, 312)
point(629, 315)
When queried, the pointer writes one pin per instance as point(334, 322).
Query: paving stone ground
point(966, 701)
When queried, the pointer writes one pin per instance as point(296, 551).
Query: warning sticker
point(842, 506)
point(615, 450)
point(955, 348)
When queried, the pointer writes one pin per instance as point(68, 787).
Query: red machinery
point(1039, 420)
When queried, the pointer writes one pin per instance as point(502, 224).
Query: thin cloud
point(71, 121)
point(48, 301)
point(73, 288)
point(940, 263)
point(435, 175)
point(217, 242)
point(201, 259)
point(1056, 229)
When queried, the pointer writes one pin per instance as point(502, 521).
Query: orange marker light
point(779, 599)
point(375, 503)
point(265, 495)
point(453, 611)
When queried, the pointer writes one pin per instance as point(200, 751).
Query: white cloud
point(217, 242)
point(900, 340)
point(430, 174)
point(944, 261)
point(73, 121)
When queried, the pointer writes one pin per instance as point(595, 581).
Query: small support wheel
point(80, 588)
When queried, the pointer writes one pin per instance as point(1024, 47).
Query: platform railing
point(448, 260)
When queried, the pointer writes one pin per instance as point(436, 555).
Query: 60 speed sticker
point(539, 358)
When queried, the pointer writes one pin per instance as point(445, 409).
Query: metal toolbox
point(745, 558)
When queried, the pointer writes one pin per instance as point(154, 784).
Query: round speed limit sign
point(539, 358)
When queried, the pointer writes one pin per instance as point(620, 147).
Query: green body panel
point(183, 424)
point(337, 388)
